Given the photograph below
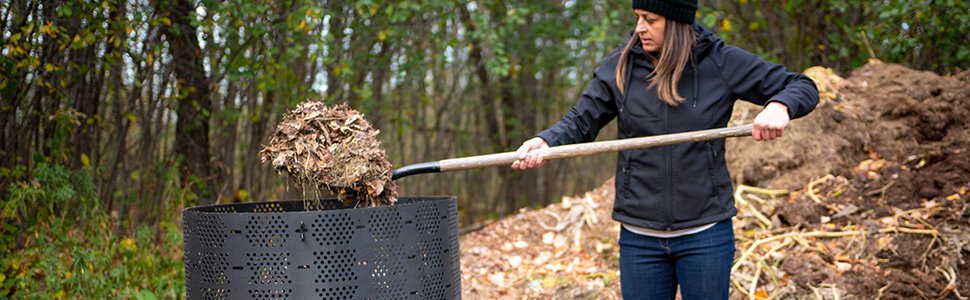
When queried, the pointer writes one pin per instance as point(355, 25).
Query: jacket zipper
point(626, 163)
point(668, 172)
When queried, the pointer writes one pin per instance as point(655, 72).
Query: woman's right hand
point(529, 158)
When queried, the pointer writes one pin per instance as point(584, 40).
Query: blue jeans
point(651, 268)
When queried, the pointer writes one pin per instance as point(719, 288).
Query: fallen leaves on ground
point(566, 250)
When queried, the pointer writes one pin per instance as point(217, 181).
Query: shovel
point(573, 150)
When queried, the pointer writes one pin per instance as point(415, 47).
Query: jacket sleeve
point(755, 80)
point(596, 108)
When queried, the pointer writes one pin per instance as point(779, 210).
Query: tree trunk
point(13, 144)
point(194, 104)
point(85, 86)
point(334, 87)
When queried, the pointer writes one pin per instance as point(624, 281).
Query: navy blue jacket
point(686, 185)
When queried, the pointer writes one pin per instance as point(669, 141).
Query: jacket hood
point(705, 39)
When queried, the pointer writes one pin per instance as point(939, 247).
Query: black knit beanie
point(679, 10)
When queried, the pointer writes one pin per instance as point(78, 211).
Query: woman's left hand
point(770, 122)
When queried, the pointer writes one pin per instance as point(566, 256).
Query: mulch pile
point(864, 198)
point(333, 149)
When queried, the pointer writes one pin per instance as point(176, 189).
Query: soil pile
point(885, 212)
point(864, 198)
point(883, 111)
point(333, 149)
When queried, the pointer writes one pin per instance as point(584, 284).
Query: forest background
point(116, 115)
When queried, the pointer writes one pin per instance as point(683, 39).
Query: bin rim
point(401, 200)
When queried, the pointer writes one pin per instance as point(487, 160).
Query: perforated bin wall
point(278, 250)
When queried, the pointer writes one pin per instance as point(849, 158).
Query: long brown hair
point(676, 51)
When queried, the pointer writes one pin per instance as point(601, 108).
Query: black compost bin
point(279, 250)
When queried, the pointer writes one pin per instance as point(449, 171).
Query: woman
point(675, 202)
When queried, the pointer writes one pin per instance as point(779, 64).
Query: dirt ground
point(864, 198)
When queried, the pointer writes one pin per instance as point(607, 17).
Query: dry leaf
point(547, 238)
point(314, 144)
point(497, 279)
point(761, 294)
point(515, 261)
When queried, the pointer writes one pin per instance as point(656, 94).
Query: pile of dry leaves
point(563, 251)
point(332, 148)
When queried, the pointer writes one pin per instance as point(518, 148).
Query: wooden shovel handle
point(574, 150)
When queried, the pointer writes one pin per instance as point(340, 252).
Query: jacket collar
point(705, 40)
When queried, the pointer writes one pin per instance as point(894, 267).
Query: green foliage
point(57, 243)
point(843, 35)
point(933, 34)
point(53, 192)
